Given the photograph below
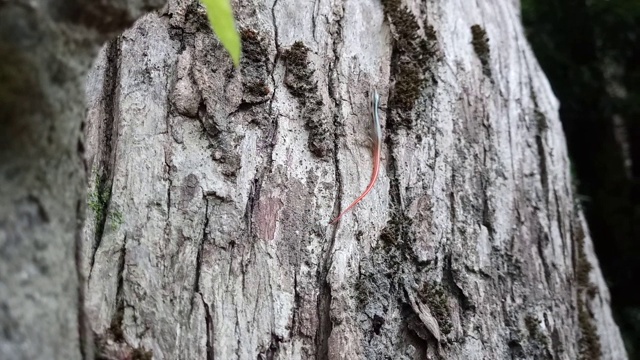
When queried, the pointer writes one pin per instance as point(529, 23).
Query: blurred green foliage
point(221, 19)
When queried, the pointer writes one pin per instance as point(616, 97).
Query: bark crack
point(275, 30)
point(324, 318)
point(543, 261)
point(297, 301)
point(542, 164)
point(560, 222)
point(486, 208)
point(196, 284)
point(314, 17)
point(167, 163)
point(276, 57)
point(209, 321)
point(452, 207)
point(449, 277)
point(118, 317)
point(254, 195)
point(100, 199)
point(336, 118)
point(325, 325)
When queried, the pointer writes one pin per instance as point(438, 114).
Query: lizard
point(377, 149)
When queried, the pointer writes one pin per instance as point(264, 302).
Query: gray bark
point(211, 189)
point(46, 48)
point(214, 240)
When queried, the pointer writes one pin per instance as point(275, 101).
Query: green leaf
point(221, 19)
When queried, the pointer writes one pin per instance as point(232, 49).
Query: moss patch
point(532, 324)
point(115, 328)
point(299, 77)
point(253, 48)
point(299, 81)
point(98, 201)
point(258, 89)
point(589, 342)
point(390, 234)
point(411, 57)
point(141, 354)
point(255, 64)
point(434, 296)
point(363, 293)
point(583, 267)
point(480, 44)
point(395, 237)
point(533, 327)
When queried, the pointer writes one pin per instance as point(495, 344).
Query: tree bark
point(46, 48)
point(219, 183)
point(211, 189)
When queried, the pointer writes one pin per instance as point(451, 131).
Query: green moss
point(412, 55)
point(434, 296)
point(407, 90)
point(116, 219)
point(480, 44)
point(98, 200)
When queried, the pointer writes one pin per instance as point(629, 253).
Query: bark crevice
point(209, 323)
point(100, 198)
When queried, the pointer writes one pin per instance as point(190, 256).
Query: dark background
point(590, 51)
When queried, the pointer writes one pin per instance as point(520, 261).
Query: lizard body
point(377, 149)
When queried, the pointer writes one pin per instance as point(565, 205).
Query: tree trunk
point(211, 189)
point(216, 186)
point(46, 48)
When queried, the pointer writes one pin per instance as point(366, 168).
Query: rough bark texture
point(46, 48)
point(211, 189)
